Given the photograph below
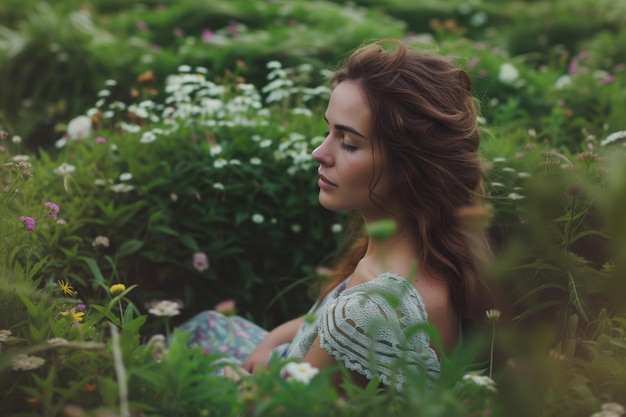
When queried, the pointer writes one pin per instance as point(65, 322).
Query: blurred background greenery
point(550, 78)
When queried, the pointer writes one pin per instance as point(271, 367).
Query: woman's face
point(348, 157)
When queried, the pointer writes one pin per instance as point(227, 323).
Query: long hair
point(425, 118)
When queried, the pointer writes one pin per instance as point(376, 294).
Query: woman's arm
point(281, 334)
point(319, 358)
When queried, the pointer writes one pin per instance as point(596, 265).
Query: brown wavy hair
point(425, 117)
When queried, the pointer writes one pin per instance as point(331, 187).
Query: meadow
point(156, 163)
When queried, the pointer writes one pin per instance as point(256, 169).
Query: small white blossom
point(24, 362)
point(508, 73)
point(60, 143)
point(499, 159)
point(234, 162)
point(147, 137)
point(184, 68)
point(484, 381)
point(57, 341)
point(515, 196)
point(296, 228)
point(300, 372)
point(215, 150)
point(563, 81)
point(336, 228)
point(122, 188)
point(265, 143)
point(5, 335)
point(110, 83)
point(523, 174)
point(165, 308)
point(126, 176)
point(64, 169)
point(100, 241)
point(20, 158)
point(478, 19)
point(220, 163)
point(200, 261)
point(613, 407)
point(100, 181)
point(255, 161)
point(493, 314)
point(16, 139)
point(79, 127)
point(218, 186)
point(258, 218)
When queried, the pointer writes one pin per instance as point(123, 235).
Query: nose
point(322, 154)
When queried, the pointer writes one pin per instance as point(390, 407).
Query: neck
point(395, 253)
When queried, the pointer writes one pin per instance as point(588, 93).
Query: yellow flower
point(117, 288)
point(76, 316)
point(66, 288)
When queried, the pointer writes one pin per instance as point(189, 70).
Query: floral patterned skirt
point(232, 335)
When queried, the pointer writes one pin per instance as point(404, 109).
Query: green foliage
point(213, 158)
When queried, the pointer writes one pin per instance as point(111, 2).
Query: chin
point(331, 205)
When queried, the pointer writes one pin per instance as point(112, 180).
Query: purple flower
point(100, 139)
point(607, 80)
point(51, 209)
point(81, 306)
point(233, 28)
point(142, 26)
point(29, 223)
point(473, 63)
point(200, 261)
point(207, 35)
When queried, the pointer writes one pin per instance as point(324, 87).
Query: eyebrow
point(346, 129)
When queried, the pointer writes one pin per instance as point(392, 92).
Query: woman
point(402, 145)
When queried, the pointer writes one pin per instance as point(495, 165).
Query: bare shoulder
point(438, 304)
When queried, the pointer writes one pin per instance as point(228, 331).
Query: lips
point(326, 180)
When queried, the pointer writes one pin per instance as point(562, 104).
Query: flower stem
point(493, 338)
point(121, 314)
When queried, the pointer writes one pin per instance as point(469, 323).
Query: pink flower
point(473, 63)
point(100, 139)
point(29, 223)
point(233, 28)
point(51, 209)
point(200, 261)
point(207, 35)
point(607, 80)
point(226, 307)
point(142, 26)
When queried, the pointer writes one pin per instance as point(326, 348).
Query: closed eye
point(348, 148)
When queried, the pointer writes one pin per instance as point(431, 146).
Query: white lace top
point(372, 328)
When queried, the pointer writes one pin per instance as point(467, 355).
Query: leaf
point(541, 288)
point(588, 233)
point(129, 247)
point(106, 313)
point(574, 298)
point(95, 270)
point(536, 308)
point(133, 326)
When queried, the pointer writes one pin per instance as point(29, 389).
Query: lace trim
point(365, 325)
